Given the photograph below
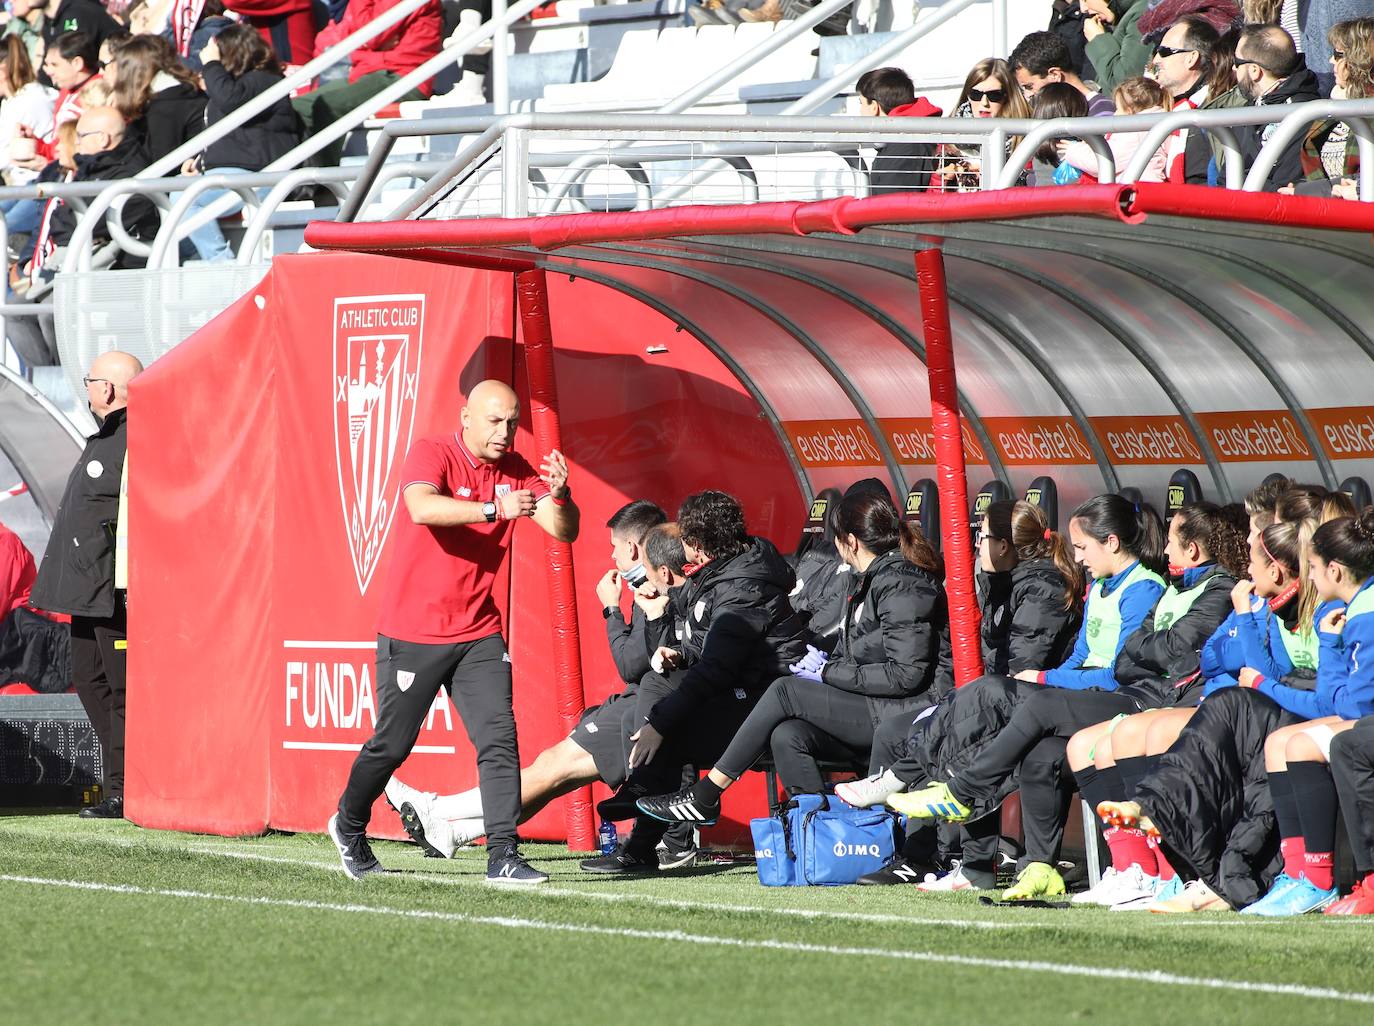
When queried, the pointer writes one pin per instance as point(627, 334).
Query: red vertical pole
point(532, 299)
point(964, 616)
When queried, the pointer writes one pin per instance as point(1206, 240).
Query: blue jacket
point(1247, 639)
point(1345, 683)
point(1136, 603)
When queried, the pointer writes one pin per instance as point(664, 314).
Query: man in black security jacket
point(740, 634)
point(77, 573)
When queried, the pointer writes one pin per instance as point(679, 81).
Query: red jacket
point(401, 48)
point(17, 572)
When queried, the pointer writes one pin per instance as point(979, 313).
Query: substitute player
point(439, 626)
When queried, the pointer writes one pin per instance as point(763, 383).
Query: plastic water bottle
point(606, 837)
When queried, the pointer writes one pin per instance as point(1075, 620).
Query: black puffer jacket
point(139, 218)
point(1025, 624)
point(261, 139)
point(894, 645)
point(1158, 664)
point(954, 735)
point(1210, 797)
point(77, 572)
point(822, 583)
point(740, 632)
point(173, 116)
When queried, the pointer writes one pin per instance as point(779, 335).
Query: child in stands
point(1137, 95)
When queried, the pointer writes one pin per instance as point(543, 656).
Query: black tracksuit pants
point(1352, 768)
point(99, 676)
point(802, 721)
point(477, 676)
point(1035, 740)
point(697, 742)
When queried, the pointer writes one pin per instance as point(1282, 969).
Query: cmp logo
point(377, 343)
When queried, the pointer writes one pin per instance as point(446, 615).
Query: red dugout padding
point(267, 447)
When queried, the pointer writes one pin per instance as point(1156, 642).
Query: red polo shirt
point(438, 587)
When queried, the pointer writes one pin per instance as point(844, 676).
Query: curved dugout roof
point(1104, 336)
point(38, 440)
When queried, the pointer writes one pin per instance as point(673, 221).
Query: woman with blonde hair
point(1330, 153)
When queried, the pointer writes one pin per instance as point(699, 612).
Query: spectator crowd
point(93, 92)
point(1103, 57)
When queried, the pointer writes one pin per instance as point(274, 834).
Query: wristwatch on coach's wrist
point(608, 611)
point(489, 511)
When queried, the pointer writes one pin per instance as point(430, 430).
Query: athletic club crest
point(376, 380)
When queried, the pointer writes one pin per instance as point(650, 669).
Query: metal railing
point(510, 146)
point(161, 253)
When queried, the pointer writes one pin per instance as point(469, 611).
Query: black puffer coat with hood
point(740, 632)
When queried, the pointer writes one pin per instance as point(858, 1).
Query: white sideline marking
point(329, 644)
point(640, 899)
point(681, 937)
point(348, 746)
point(1163, 922)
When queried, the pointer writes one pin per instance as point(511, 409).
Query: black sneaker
point(898, 871)
point(509, 869)
point(621, 862)
point(110, 808)
point(354, 852)
point(680, 807)
point(621, 805)
point(676, 858)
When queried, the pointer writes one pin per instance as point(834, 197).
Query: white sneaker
point(1093, 895)
point(869, 791)
point(954, 880)
point(399, 793)
point(469, 21)
point(468, 92)
point(1121, 888)
point(416, 808)
point(1196, 896)
point(1137, 891)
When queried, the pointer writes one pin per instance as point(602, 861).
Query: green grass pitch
point(106, 923)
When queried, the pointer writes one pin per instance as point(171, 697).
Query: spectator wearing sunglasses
point(898, 166)
point(1042, 58)
point(1319, 19)
point(990, 91)
point(1182, 65)
point(1270, 73)
point(1330, 153)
